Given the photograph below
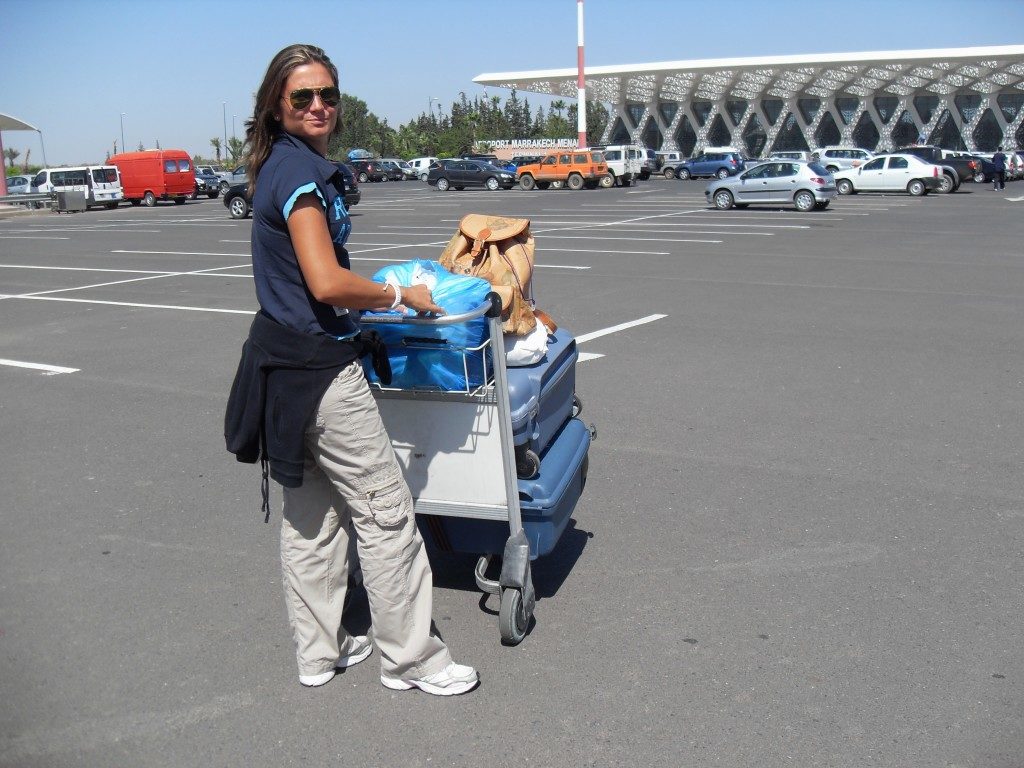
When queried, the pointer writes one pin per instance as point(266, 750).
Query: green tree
point(597, 121)
point(235, 147)
point(11, 154)
point(215, 143)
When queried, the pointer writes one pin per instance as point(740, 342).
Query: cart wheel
point(527, 464)
point(512, 617)
point(577, 406)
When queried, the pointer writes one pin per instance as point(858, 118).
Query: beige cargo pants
point(351, 474)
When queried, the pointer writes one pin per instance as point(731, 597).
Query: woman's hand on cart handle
point(418, 297)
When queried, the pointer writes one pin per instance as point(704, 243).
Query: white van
point(421, 165)
point(101, 184)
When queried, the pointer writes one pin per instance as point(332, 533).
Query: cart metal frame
point(456, 450)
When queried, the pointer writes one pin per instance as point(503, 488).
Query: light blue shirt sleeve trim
point(311, 187)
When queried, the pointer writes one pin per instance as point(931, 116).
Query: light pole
point(224, 113)
point(123, 147)
point(233, 134)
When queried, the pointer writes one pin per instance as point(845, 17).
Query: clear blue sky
point(73, 66)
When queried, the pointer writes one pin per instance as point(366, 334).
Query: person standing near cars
point(999, 174)
point(319, 423)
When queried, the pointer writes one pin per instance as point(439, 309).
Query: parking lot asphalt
point(800, 542)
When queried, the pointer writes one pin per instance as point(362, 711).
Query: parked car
point(155, 174)
point(807, 186)
point(408, 172)
point(667, 161)
point(626, 162)
point(421, 165)
point(391, 169)
point(468, 173)
point(237, 176)
point(573, 168)
point(369, 170)
point(207, 183)
point(795, 154)
point(239, 204)
point(890, 173)
point(838, 158)
point(19, 185)
point(720, 164)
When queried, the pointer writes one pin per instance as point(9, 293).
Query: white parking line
point(133, 304)
point(616, 328)
point(50, 370)
point(31, 237)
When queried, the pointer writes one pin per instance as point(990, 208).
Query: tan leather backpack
point(499, 249)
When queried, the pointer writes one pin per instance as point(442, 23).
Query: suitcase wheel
point(527, 463)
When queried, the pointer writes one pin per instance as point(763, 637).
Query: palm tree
point(557, 106)
point(215, 143)
point(11, 154)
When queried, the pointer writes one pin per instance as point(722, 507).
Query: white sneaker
point(450, 681)
point(362, 649)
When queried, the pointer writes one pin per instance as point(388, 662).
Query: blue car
point(720, 164)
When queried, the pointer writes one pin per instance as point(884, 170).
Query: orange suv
point(575, 168)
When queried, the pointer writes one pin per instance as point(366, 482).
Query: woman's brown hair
point(264, 126)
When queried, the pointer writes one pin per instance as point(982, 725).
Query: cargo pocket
point(386, 496)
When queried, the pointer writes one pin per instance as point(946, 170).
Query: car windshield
point(597, 156)
point(491, 167)
point(817, 168)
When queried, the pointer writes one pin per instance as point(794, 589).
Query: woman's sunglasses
point(300, 98)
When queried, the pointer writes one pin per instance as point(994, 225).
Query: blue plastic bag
point(435, 357)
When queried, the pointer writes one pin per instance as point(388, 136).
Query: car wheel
point(946, 184)
point(574, 182)
point(492, 184)
point(608, 180)
point(844, 187)
point(668, 173)
point(442, 184)
point(804, 201)
point(723, 200)
point(213, 195)
point(683, 174)
point(149, 199)
point(722, 173)
point(423, 177)
point(224, 187)
point(916, 187)
point(979, 177)
point(363, 177)
point(238, 208)
point(831, 168)
point(527, 182)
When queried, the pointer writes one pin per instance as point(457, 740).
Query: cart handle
point(491, 308)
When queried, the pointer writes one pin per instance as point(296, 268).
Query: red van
point(155, 174)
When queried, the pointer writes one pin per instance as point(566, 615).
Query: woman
point(319, 425)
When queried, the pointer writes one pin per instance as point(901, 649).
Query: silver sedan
point(807, 186)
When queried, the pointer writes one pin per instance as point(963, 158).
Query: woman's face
point(316, 122)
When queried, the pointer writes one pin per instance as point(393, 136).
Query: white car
point(838, 158)
point(890, 173)
point(19, 185)
point(421, 165)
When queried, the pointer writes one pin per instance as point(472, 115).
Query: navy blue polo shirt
point(292, 170)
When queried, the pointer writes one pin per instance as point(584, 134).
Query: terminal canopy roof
point(10, 123)
point(941, 71)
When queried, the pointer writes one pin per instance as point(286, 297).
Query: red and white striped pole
point(581, 85)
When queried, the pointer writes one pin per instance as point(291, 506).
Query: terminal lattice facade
point(965, 98)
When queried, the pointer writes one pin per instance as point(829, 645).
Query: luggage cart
point(457, 453)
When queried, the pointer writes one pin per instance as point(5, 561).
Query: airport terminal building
point(958, 98)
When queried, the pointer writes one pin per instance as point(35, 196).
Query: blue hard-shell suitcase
point(542, 397)
point(546, 503)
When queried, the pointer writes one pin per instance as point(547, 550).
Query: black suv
point(468, 173)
